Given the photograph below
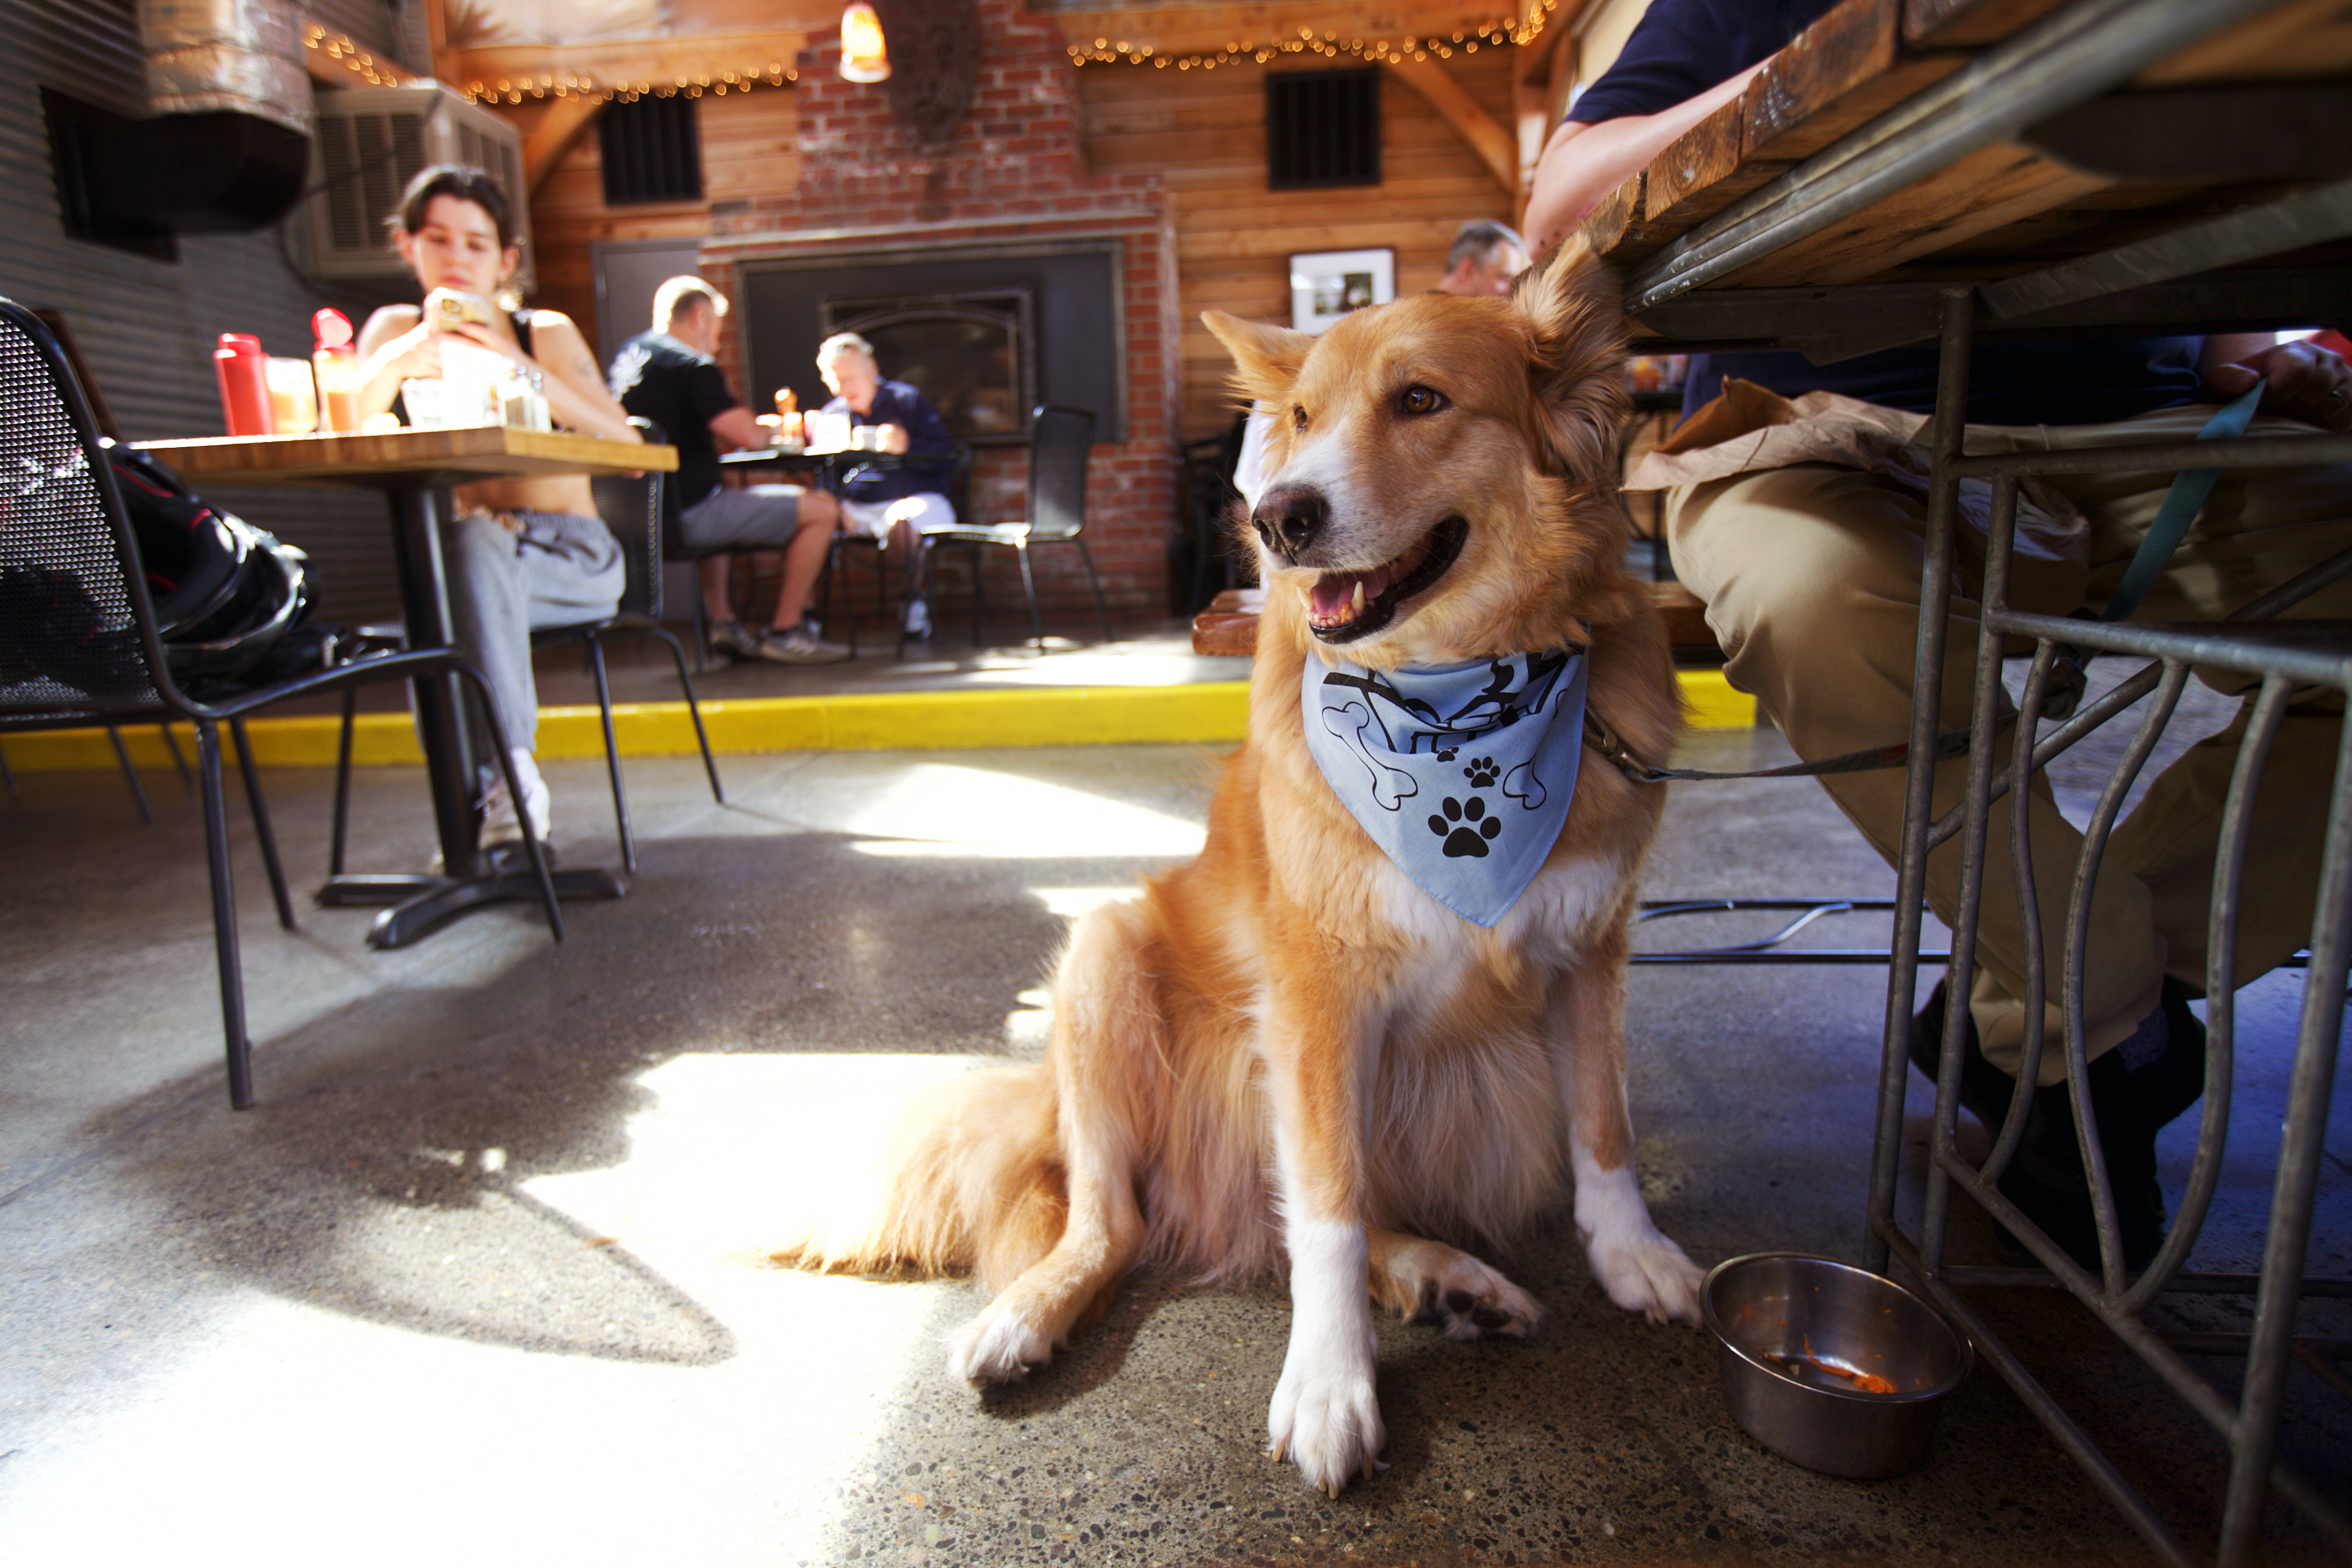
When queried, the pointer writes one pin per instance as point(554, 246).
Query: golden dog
point(1286, 1051)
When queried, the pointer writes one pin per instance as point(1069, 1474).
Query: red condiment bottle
point(337, 366)
point(244, 372)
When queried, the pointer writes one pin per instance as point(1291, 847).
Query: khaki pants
point(1812, 575)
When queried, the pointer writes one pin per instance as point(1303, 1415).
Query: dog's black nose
point(1288, 518)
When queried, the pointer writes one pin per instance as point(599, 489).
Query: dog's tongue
point(1334, 593)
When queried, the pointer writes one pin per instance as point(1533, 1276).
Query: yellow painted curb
point(1711, 702)
point(1203, 713)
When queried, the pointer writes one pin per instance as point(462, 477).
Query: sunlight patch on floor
point(942, 809)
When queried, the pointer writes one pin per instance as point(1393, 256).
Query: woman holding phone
point(520, 553)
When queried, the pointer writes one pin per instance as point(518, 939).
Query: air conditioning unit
point(369, 142)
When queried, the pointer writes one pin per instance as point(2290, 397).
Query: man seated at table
point(1811, 572)
point(667, 375)
point(520, 553)
point(893, 505)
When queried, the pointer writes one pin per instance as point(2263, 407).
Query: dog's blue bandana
point(1462, 774)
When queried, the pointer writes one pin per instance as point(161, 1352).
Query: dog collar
point(1462, 774)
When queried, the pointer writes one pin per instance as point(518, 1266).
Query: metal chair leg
point(232, 973)
point(701, 622)
point(980, 593)
point(342, 783)
point(1029, 586)
point(261, 824)
point(694, 711)
point(138, 790)
point(1086, 560)
point(480, 688)
point(611, 755)
point(179, 758)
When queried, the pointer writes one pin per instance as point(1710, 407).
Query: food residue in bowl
point(1813, 1371)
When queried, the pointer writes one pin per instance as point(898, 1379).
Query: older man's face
point(1492, 275)
point(852, 376)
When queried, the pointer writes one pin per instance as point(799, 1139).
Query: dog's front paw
point(996, 1347)
point(1327, 1419)
point(1647, 1274)
point(1467, 1300)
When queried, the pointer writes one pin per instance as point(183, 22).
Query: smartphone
point(444, 308)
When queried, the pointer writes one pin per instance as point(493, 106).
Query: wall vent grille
point(653, 151)
point(1322, 129)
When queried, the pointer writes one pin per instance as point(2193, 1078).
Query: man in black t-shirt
point(667, 375)
point(1810, 572)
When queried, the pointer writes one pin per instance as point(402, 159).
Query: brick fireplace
point(1013, 178)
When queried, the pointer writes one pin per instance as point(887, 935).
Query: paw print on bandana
point(1482, 773)
point(1447, 754)
point(1464, 827)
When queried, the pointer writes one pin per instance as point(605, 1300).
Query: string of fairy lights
point(340, 49)
point(1492, 34)
point(1306, 40)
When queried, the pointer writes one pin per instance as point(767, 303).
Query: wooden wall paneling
point(750, 150)
point(1202, 133)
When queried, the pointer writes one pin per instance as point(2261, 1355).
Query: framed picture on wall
point(1325, 285)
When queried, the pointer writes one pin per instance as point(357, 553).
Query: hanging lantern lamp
point(864, 55)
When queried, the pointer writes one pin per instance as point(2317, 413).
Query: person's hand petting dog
point(2301, 380)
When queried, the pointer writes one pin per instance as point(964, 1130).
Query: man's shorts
point(877, 518)
point(757, 517)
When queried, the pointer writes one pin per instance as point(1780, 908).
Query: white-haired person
point(894, 505)
point(670, 376)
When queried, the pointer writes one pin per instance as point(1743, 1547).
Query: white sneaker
point(797, 644)
point(500, 823)
point(919, 619)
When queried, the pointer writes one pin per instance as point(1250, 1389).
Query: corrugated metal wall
point(147, 327)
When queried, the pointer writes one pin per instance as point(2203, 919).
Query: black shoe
point(2046, 1179)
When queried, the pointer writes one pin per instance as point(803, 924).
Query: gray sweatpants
point(559, 571)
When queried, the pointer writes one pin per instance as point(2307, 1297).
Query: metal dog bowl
point(1832, 1366)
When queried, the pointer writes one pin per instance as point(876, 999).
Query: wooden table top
point(2210, 127)
point(487, 452)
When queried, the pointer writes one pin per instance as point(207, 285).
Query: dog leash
point(2183, 501)
point(1598, 735)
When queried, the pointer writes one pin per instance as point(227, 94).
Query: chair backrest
point(76, 632)
point(1060, 441)
point(959, 486)
point(641, 514)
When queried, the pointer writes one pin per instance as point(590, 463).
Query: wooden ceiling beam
point(661, 62)
point(1206, 29)
point(553, 137)
point(1495, 147)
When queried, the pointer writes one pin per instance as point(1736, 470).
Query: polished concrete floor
point(480, 1277)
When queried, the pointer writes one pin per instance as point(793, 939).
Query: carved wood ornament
point(934, 61)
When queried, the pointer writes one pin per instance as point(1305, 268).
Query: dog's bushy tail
point(972, 1182)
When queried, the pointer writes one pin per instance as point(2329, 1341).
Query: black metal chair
point(78, 644)
point(1061, 441)
point(632, 508)
point(1207, 503)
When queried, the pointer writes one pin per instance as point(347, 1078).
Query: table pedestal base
point(422, 903)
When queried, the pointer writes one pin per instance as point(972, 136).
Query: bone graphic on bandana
point(1391, 786)
point(1522, 785)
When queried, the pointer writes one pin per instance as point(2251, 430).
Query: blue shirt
point(896, 402)
point(1682, 47)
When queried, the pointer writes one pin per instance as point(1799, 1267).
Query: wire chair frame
point(82, 642)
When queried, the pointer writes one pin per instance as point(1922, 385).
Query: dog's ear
point(1265, 358)
point(1573, 306)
